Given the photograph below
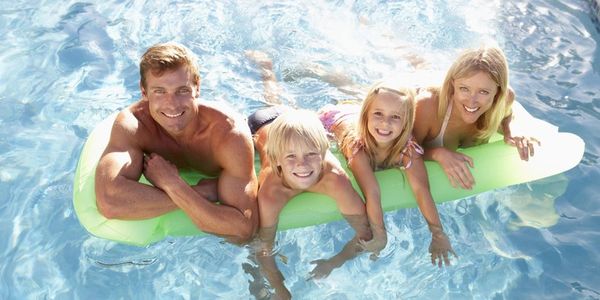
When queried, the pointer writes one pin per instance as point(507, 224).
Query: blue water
point(66, 65)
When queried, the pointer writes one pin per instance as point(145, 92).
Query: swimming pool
point(66, 65)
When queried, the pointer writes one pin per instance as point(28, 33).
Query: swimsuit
point(265, 116)
point(438, 141)
point(331, 115)
point(411, 146)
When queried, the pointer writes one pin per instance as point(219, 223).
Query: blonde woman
point(474, 102)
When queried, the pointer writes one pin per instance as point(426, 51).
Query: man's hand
point(159, 171)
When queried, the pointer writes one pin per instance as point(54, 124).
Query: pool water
point(66, 65)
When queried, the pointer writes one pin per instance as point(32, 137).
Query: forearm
point(209, 217)
point(360, 224)
point(427, 207)
point(128, 199)
point(375, 213)
point(350, 250)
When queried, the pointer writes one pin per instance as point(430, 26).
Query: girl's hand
point(440, 247)
point(456, 166)
point(375, 245)
point(525, 145)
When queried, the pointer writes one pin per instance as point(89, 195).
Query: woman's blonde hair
point(168, 57)
point(298, 126)
point(361, 133)
point(491, 60)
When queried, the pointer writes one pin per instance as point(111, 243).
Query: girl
point(378, 135)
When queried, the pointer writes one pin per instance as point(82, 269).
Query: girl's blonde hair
point(491, 60)
point(361, 133)
point(295, 126)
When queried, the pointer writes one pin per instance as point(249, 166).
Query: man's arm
point(236, 217)
point(119, 195)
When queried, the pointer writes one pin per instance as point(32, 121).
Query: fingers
point(462, 177)
point(525, 146)
point(446, 260)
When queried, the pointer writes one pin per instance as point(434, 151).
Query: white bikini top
point(438, 141)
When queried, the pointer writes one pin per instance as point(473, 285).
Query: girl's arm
point(363, 173)
point(440, 245)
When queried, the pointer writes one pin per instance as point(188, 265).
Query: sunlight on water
point(67, 65)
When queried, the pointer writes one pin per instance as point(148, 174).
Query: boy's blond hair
point(295, 126)
point(491, 60)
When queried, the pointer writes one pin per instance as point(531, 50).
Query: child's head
point(489, 60)
point(296, 148)
point(386, 121)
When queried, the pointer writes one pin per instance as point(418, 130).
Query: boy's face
point(301, 164)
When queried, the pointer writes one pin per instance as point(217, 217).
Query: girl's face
point(301, 164)
point(385, 119)
point(473, 96)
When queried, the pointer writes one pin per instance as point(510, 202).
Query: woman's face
point(301, 164)
point(473, 96)
point(385, 119)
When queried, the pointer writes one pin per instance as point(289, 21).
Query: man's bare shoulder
point(225, 116)
point(229, 137)
point(132, 125)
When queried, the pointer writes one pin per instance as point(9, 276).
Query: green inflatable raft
point(496, 165)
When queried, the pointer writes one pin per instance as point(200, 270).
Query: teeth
point(471, 109)
point(306, 174)
point(172, 116)
point(383, 132)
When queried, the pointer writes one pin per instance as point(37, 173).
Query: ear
point(143, 90)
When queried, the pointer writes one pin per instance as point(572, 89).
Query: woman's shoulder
point(426, 101)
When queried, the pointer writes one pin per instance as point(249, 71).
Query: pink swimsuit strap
point(411, 146)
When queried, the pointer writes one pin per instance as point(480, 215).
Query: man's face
point(171, 97)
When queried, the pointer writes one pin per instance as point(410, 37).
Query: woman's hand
point(456, 166)
point(525, 145)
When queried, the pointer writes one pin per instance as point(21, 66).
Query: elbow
point(247, 229)
point(107, 204)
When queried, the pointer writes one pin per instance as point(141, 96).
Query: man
point(169, 129)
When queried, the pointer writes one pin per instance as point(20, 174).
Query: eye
point(184, 91)
point(463, 89)
point(378, 114)
point(396, 117)
point(484, 92)
point(158, 91)
point(290, 156)
point(313, 154)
